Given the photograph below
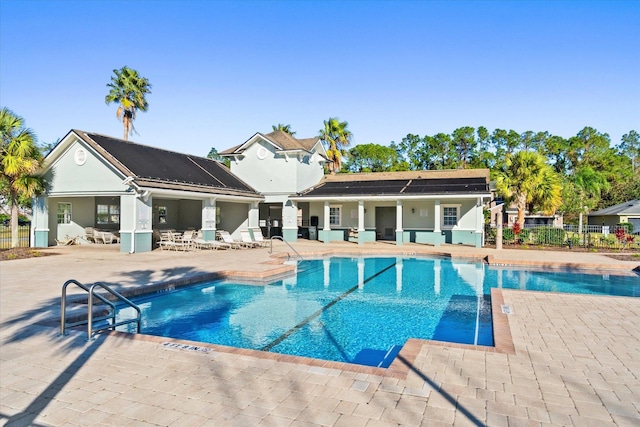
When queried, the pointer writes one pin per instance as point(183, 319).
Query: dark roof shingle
point(157, 165)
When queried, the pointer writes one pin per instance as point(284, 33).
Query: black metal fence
point(24, 231)
point(589, 237)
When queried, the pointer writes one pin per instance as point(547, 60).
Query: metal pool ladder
point(288, 244)
point(111, 312)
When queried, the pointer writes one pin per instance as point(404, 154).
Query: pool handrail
point(90, 320)
point(288, 244)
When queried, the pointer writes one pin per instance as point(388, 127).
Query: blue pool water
point(357, 310)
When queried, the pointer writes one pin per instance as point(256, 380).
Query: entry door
point(274, 222)
point(385, 223)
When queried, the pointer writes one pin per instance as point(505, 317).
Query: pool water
point(357, 310)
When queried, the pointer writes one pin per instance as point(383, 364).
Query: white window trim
point(449, 227)
point(70, 215)
point(339, 207)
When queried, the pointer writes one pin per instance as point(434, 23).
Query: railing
point(288, 244)
point(24, 233)
point(589, 237)
point(111, 312)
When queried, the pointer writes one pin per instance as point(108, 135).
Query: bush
point(549, 236)
point(507, 235)
point(627, 226)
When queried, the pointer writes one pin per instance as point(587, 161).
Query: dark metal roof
point(389, 187)
point(156, 165)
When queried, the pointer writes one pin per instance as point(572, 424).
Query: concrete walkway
point(574, 359)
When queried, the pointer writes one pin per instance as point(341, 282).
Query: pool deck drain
point(572, 359)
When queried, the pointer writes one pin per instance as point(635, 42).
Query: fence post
point(499, 236)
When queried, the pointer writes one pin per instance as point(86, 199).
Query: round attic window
point(261, 153)
point(80, 157)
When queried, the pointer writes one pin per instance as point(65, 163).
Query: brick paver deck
point(571, 359)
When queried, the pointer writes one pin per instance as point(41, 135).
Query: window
point(64, 213)
point(162, 214)
point(108, 214)
point(449, 216)
point(334, 215)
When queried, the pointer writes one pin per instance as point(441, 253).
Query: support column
point(136, 233)
point(209, 219)
point(360, 222)
point(290, 221)
point(399, 230)
point(254, 215)
point(326, 230)
point(40, 222)
point(479, 223)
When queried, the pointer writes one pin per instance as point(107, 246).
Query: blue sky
point(222, 71)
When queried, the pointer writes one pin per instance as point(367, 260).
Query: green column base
point(41, 239)
point(143, 242)
point(479, 238)
point(290, 234)
point(208, 235)
point(399, 238)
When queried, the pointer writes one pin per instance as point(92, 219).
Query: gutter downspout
point(129, 181)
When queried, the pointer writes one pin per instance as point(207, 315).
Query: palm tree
point(283, 128)
point(20, 160)
point(128, 89)
point(589, 185)
point(529, 182)
point(336, 137)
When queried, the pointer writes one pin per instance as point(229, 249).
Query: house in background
point(111, 184)
point(620, 213)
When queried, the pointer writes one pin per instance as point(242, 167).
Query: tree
point(129, 90)
point(336, 138)
point(20, 161)
point(465, 142)
point(214, 155)
point(411, 149)
point(630, 146)
point(283, 128)
point(372, 158)
point(529, 182)
point(485, 158)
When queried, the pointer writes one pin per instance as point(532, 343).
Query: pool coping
point(399, 368)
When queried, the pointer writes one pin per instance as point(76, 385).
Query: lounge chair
point(106, 237)
point(67, 241)
point(259, 238)
point(226, 238)
point(170, 240)
point(89, 234)
point(200, 243)
point(246, 238)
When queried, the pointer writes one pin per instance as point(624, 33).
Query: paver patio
point(575, 360)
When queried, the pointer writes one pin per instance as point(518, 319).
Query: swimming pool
point(357, 310)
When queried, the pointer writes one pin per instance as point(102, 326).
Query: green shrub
point(549, 236)
point(507, 235)
point(627, 226)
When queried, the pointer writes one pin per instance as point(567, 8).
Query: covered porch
point(428, 207)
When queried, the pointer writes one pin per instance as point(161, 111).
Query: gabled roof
point(157, 168)
point(282, 141)
point(632, 207)
point(402, 184)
